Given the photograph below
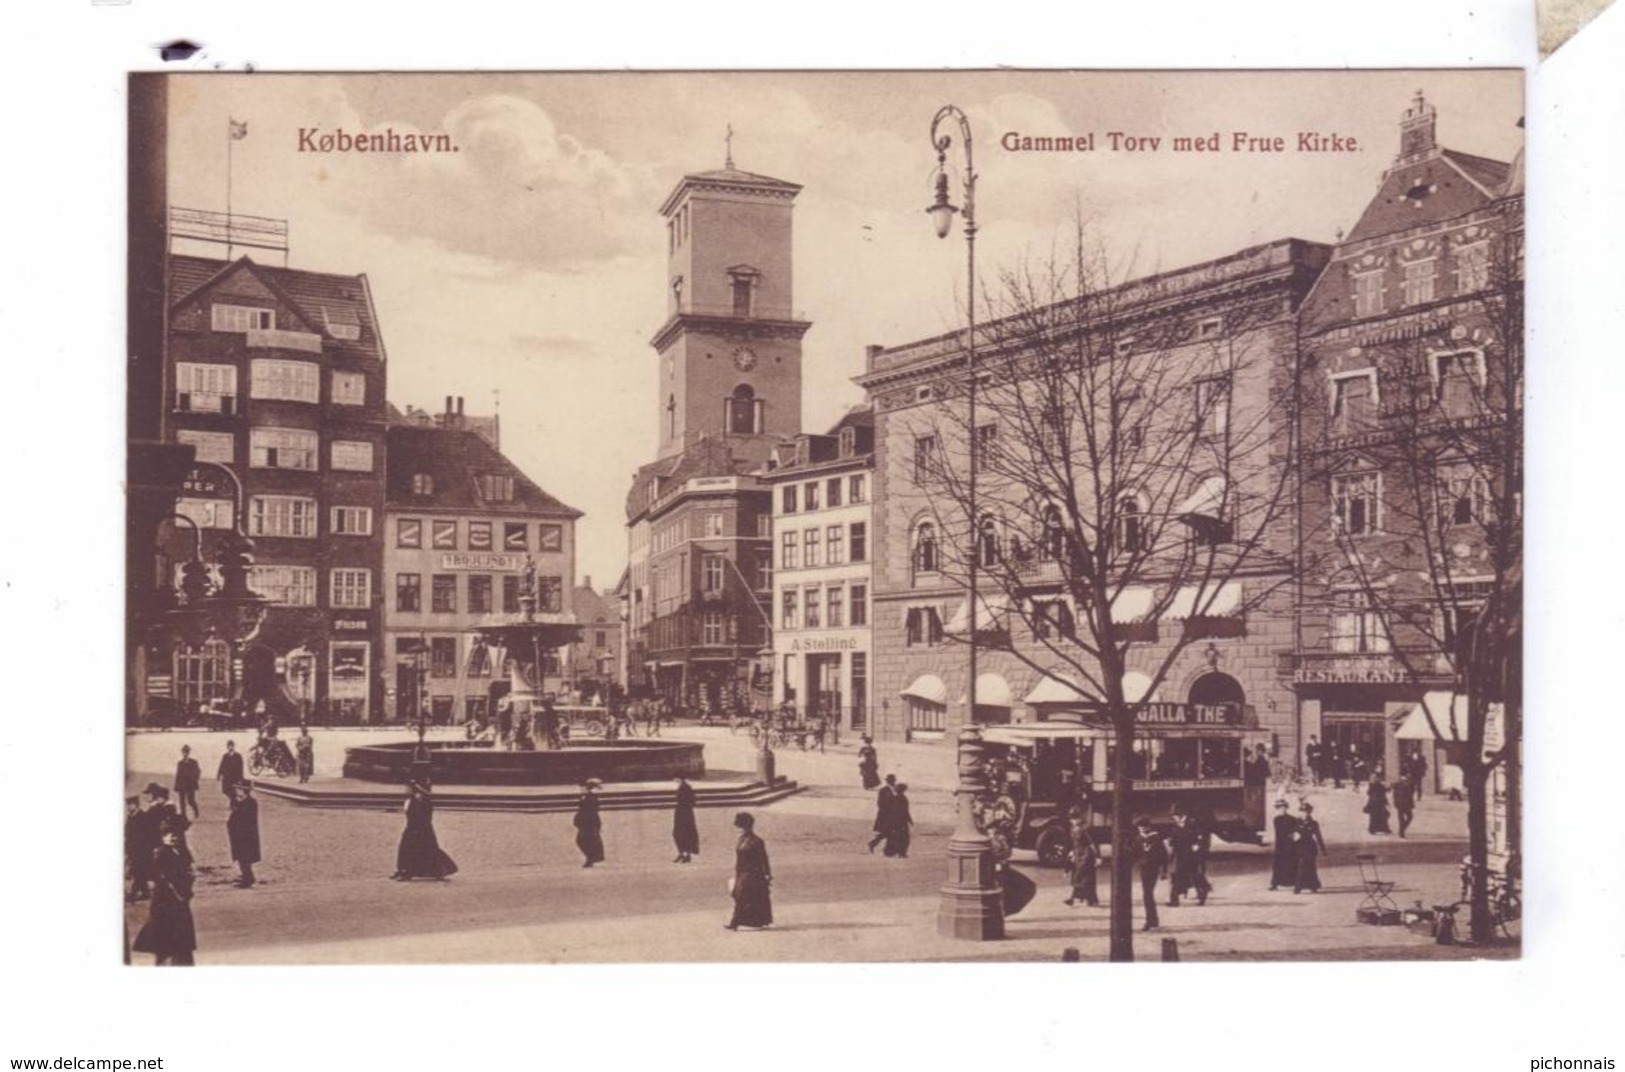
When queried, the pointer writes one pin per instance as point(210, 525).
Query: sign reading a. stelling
point(849, 642)
point(482, 560)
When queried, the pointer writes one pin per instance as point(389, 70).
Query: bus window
point(1175, 758)
point(1221, 758)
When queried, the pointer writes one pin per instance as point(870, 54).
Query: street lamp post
point(971, 906)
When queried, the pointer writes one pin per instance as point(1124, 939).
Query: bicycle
point(271, 755)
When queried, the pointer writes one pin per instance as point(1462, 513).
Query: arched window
point(742, 409)
point(987, 542)
point(1131, 534)
point(925, 548)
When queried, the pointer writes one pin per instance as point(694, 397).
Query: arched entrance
point(1217, 688)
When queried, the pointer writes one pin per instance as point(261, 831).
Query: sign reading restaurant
point(481, 560)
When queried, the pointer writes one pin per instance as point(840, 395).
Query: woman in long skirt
point(869, 765)
point(685, 832)
point(1310, 846)
point(901, 820)
point(1285, 871)
point(419, 854)
point(169, 934)
point(589, 827)
point(1376, 806)
point(753, 878)
point(1085, 860)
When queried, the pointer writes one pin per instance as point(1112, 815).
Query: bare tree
point(1132, 482)
point(1424, 466)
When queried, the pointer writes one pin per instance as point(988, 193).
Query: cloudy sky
point(532, 261)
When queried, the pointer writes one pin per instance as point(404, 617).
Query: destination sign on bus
point(1185, 714)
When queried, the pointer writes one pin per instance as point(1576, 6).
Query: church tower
point(730, 350)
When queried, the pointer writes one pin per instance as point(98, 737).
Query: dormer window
point(341, 323)
point(495, 487)
point(241, 318)
point(422, 484)
point(849, 442)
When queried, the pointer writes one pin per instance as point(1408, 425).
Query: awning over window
point(1132, 605)
point(991, 612)
point(927, 687)
point(991, 691)
point(1058, 688)
point(1439, 705)
point(1207, 501)
point(1204, 601)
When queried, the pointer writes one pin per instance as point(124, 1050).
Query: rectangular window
point(510, 594)
point(922, 626)
point(835, 545)
point(241, 318)
point(495, 487)
point(290, 381)
point(788, 552)
point(282, 515)
point(790, 492)
point(220, 447)
point(764, 571)
point(408, 592)
point(352, 455)
point(351, 588)
point(1356, 499)
point(479, 535)
point(442, 656)
point(860, 541)
point(422, 484)
point(351, 521)
point(282, 448)
point(711, 572)
point(1354, 399)
point(207, 513)
point(550, 594)
point(1212, 406)
point(205, 388)
point(711, 628)
point(832, 491)
point(515, 536)
point(927, 463)
point(443, 534)
point(1356, 627)
point(860, 604)
point(1464, 495)
point(479, 593)
point(1128, 421)
point(835, 607)
point(443, 593)
point(857, 489)
point(713, 524)
point(810, 552)
point(1458, 382)
point(987, 443)
point(1368, 293)
point(809, 496)
point(1472, 267)
point(408, 532)
point(1418, 282)
point(810, 617)
point(349, 389)
point(293, 586)
point(789, 619)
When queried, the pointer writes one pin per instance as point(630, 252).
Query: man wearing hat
point(1285, 869)
point(1152, 856)
point(230, 771)
point(243, 831)
point(144, 839)
point(1311, 846)
point(188, 776)
point(589, 827)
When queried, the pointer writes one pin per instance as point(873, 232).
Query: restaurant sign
point(1351, 670)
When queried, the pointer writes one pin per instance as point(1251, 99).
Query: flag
point(239, 131)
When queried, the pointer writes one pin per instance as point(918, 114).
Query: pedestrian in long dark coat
point(753, 878)
point(1359, 767)
point(419, 854)
point(1340, 767)
point(589, 827)
point(188, 776)
point(230, 771)
point(897, 832)
point(1311, 846)
point(1315, 756)
point(884, 798)
point(304, 747)
point(243, 831)
point(169, 934)
point(1376, 806)
point(1152, 856)
point(145, 830)
point(1404, 804)
point(1188, 849)
point(1419, 770)
point(1285, 869)
point(869, 764)
point(685, 832)
point(1085, 860)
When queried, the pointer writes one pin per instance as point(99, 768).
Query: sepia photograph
point(824, 517)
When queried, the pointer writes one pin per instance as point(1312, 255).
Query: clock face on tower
point(744, 359)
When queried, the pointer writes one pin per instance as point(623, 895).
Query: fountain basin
point(481, 763)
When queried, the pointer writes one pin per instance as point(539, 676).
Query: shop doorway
point(824, 672)
point(1358, 735)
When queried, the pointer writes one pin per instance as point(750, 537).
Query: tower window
point(744, 411)
point(741, 292)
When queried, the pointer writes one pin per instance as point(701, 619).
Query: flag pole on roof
point(235, 131)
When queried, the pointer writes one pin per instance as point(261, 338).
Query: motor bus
point(1187, 756)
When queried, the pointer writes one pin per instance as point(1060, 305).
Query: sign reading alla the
point(482, 560)
point(1185, 714)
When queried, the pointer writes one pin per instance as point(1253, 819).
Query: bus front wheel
point(1053, 847)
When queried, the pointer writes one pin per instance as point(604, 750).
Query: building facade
point(1406, 343)
point(596, 659)
point(460, 523)
point(729, 368)
point(920, 617)
point(275, 378)
point(822, 493)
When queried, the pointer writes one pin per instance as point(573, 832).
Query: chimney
point(459, 405)
point(586, 582)
point(448, 405)
point(871, 352)
point(1417, 138)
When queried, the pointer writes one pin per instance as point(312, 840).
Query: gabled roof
point(1450, 183)
point(707, 456)
point(455, 458)
point(319, 298)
